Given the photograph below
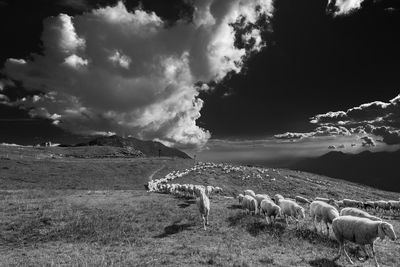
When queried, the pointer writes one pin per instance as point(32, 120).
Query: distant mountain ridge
point(148, 148)
point(376, 169)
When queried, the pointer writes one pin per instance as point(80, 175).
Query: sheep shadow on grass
point(260, 226)
point(187, 203)
point(175, 228)
point(323, 262)
point(235, 207)
point(313, 237)
point(237, 218)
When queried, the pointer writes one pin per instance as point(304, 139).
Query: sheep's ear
point(381, 231)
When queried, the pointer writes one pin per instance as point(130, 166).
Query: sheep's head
point(300, 212)
point(386, 229)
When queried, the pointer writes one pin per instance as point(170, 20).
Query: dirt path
point(159, 169)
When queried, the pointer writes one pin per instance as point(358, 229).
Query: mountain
point(149, 148)
point(376, 169)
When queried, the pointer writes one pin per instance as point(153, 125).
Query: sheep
point(259, 198)
point(361, 231)
point(382, 205)
point(321, 211)
point(352, 203)
point(209, 190)
point(358, 213)
point(249, 192)
point(339, 203)
point(240, 198)
point(291, 209)
point(369, 205)
point(394, 205)
point(301, 199)
point(277, 198)
point(326, 200)
point(270, 210)
point(203, 203)
point(250, 204)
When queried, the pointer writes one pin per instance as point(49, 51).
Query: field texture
point(68, 211)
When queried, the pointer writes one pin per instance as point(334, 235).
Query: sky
point(227, 80)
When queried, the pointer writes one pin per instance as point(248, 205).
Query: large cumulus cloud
point(129, 72)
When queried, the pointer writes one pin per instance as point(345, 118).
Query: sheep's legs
point(327, 229)
point(267, 219)
point(347, 255)
point(364, 249)
point(373, 253)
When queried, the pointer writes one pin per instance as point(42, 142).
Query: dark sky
point(314, 62)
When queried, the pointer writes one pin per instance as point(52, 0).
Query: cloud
point(341, 146)
point(331, 147)
point(343, 7)
point(320, 131)
point(377, 117)
point(133, 74)
point(367, 141)
point(390, 135)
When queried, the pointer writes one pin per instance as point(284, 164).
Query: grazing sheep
point(303, 200)
point(358, 213)
point(203, 203)
point(394, 205)
point(339, 203)
point(250, 204)
point(240, 198)
point(289, 208)
point(270, 210)
point(259, 198)
point(322, 211)
point(249, 192)
point(277, 198)
point(369, 205)
point(361, 231)
point(209, 190)
point(382, 205)
point(326, 200)
point(352, 203)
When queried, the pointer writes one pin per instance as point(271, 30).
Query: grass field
point(95, 212)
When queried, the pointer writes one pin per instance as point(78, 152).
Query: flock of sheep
point(351, 223)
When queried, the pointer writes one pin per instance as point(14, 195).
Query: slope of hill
point(149, 148)
point(376, 169)
point(68, 211)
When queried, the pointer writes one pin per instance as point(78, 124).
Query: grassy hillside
point(75, 216)
point(376, 169)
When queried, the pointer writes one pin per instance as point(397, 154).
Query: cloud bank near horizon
point(377, 118)
point(128, 72)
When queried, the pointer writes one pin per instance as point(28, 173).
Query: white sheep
point(358, 213)
point(277, 198)
point(289, 208)
point(270, 210)
point(203, 203)
point(301, 199)
point(382, 205)
point(249, 192)
point(361, 231)
point(352, 203)
point(322, 211)
point(259, 198)
point(250, 204)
